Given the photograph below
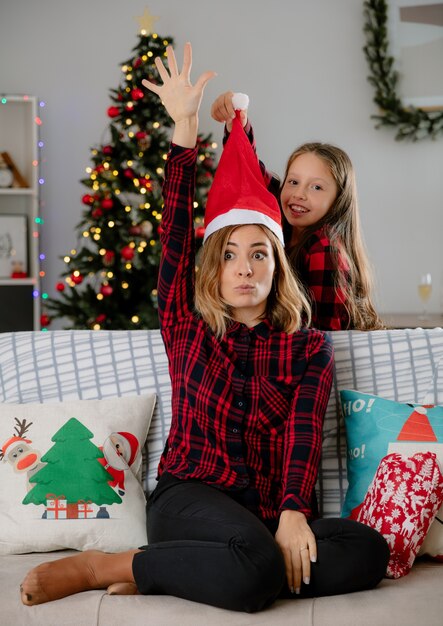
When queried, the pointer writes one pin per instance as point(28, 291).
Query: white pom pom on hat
point(240, 101)
point(238, 195)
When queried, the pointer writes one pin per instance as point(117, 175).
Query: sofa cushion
point(71, 474)
point(376, 427)
point(396, 364)
point(90, 365)
point(401, 504)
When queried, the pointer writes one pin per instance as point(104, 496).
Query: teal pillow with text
point(376, 427)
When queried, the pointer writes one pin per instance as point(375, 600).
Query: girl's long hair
point(286, 308)
point(342, 225)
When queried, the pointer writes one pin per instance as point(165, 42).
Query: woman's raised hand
point(180, 98)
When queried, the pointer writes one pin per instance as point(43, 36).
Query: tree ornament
point(96, 213)
point(77, 279)
point(200, 232)
point(107, 150)
point(146, 183)
point(88, 199)
point(100, 318)
point(106, 290)
point(60, 286)
point(107, 203)
point(45, 320)
point(137, 94)
point(127, 253)
point(108, 258)
point(129, 173)
point(135, 230)
point(113, 111)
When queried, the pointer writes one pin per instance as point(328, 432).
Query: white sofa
point(64, 365)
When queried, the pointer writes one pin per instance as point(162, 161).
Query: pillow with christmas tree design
point(376, 427)
point(71, 475)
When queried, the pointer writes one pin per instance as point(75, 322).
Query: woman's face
point(247, 272)
point(308, 192)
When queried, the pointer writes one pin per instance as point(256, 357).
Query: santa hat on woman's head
point(238, 195)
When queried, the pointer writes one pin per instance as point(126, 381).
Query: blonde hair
point(342, 226)
point(286, 306)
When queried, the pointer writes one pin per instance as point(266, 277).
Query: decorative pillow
point(376, 427)
point(70, 474)
point(401, 503)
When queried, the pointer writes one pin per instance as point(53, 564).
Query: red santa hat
point(238, 195)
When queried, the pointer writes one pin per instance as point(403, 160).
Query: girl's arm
point(222, 110)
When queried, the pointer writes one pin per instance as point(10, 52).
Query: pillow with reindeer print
point(71, 475)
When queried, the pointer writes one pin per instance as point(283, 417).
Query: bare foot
point(122, 589)
point(88, 570)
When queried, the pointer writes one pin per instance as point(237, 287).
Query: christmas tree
point(111, 275)
point(73, 454)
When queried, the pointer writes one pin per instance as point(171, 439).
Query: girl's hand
point(223, 111)
point(180, 98)
point(297, 543)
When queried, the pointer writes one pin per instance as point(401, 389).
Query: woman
point(230, 522)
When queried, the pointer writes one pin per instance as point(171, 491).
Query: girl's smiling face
point(308, 192)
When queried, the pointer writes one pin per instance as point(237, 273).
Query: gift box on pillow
point(56, 507)
point(85, 509)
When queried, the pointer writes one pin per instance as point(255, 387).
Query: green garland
point(411, 123)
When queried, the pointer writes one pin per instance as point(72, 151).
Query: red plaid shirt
point(247, 410)
point(317, 269)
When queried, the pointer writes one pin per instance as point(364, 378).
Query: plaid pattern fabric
point(248, 409)
point(317, 269)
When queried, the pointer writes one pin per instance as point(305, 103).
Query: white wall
point(302, 65)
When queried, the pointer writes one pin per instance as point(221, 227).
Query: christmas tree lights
point(111, 276)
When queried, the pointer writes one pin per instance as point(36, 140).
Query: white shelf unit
point(19, 136)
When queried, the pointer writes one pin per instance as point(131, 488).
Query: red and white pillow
point(401, 504)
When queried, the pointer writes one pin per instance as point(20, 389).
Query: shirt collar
point(261, 330)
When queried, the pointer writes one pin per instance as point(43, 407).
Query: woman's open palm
point(181, 99)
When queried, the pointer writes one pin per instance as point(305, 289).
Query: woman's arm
point(182, 101)
point(303, 440)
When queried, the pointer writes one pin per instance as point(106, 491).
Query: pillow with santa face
point(376, 427)
point(71, 475)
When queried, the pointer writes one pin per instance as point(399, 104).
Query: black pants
point(206, 547)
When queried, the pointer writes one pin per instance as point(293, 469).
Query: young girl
point(322, 230)
point(231, 521)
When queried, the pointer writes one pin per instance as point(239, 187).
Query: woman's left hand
point(297, 543)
